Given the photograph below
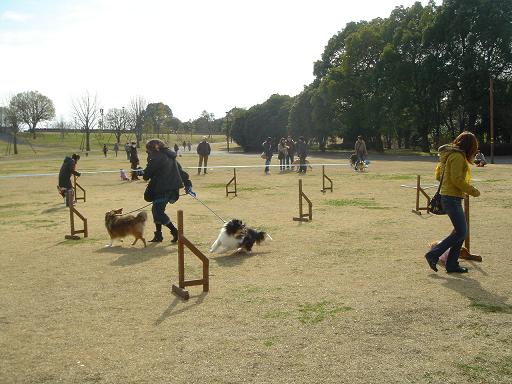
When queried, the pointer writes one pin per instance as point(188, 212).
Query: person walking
point(360, 149)
point(184, 145)
point(189, 146)
point(203, 150)
point(67, 169)
point(134, 161)
point(302, 153)
point(291, 151)
point(105, 150)
point(282, 153)
point(176, 148)
point(166, 177)
point(116, 148)
point(455, 177)
point(127, 148)
point(267, 154)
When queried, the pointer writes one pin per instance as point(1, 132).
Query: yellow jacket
point(457, 175)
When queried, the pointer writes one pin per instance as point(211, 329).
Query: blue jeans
point(267, 163)
point(159, 204)
point(453, 208)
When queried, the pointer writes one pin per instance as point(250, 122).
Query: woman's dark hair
point(75, 157)
point(155, 145)
point(468, 143)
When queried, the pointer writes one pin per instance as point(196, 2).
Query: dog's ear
point(118, 211)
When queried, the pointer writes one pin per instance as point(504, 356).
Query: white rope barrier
point(17, 175)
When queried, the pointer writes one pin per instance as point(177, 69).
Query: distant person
point(480, 159)
point(282, 153)
point(203, 150)
point(184, 145)
point(128, 150)
point(360, 149)
point(105, 150)
point(291, 151)
point(302, 153)
point(67, 169)
point(267, 154)
point(116, 148)
point(453, 169)
point(176, 148)
point(189, 145)
point(134, 161)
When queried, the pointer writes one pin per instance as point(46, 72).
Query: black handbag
point(435, 205)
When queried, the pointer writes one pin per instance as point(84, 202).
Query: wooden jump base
point(75, 186)
point(72, 213)
point(233, 180)
point(419, 190)
point(304, 216)
point(182, 242)
point(324, 177)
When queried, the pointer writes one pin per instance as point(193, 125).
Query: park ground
point(345, 298)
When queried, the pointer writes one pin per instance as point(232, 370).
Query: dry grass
point(346, 298)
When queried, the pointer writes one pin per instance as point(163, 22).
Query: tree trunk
point(399, 141)
point(87, 144)
point(15, 142)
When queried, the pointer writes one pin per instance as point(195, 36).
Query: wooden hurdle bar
point(324, 177)
point(72, 213)
point(304, 216)
point(182, 242)
point(75, 186)
point(233, 180)
point(467, 242)
point(419, 190)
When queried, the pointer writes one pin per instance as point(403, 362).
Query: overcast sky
point(193, 55)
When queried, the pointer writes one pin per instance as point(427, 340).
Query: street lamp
point(227, 129)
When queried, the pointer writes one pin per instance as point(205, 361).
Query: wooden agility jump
point(72, 213)
point(78, 186)
point(325, 177)
point(304, 216)
point(182, 243)
point(231, 182)
point(419, 190)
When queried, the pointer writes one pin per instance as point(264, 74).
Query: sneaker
point(457, 269)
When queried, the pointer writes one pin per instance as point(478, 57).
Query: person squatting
point(166, 177)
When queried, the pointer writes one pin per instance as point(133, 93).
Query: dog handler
point(454, 162)
point(67, 169)
point(165, 180)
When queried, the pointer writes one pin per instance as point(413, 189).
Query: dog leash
point(141, 208)
point(207, 207)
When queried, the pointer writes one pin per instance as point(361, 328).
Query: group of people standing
point(287, 149)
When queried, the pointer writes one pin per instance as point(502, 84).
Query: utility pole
point(491, 116)
point(227, 129)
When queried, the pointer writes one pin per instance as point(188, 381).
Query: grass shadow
point(133, 255)
point(480, 298)
point(174, 303)
point(232, 260)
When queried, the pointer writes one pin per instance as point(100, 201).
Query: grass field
point(346, 298)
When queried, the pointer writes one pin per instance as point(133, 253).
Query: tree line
point(414, 79)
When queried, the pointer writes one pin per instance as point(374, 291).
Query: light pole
point(227, 129)
point(491, 116)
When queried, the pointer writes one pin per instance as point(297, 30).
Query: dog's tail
point(260, 236)
point(141, 217)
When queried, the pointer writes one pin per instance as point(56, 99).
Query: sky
point(192, 55)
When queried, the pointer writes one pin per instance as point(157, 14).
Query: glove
point(188, 188)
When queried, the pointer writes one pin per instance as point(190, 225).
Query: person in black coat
point(166, 177)
point(67, 169)
point(134, 161)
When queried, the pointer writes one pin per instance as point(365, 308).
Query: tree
point(137, 106)
point(119, 120)
point(156, 117)
point(85, 110)
point(13, 118)
point(33, 107)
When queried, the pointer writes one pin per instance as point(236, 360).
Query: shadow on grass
point(232, 260)
point(480, 298)
point(186, 305)
point(135, 255)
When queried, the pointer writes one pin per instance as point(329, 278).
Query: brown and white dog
point(119, 226)
point(296, 163)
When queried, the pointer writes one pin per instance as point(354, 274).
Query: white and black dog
point(235, 236)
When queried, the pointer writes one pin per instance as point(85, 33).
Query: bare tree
point(13, 118)
point(120, 121)
point(86, 115)
point(33, 107)
point(138, 105)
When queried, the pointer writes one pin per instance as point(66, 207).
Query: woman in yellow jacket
point(454, 162)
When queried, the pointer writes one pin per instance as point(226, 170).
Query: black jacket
point(164, 174)
point(203, 148)
point(67, 169)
